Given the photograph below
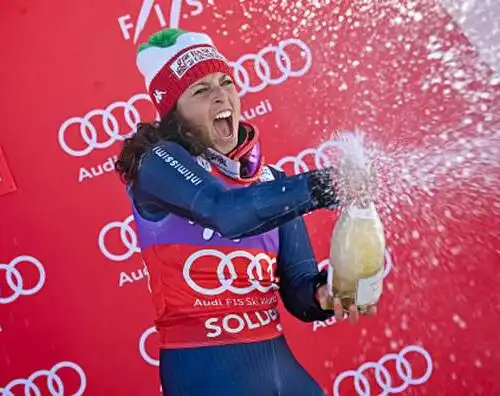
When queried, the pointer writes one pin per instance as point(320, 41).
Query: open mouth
point(223, 124)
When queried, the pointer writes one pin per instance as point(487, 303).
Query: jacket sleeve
point(172, 178)
point(298, 273)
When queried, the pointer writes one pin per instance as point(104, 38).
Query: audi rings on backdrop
point(111, 126)
point(54, 382)
point(383, 376)
point(142, 347)
point(127, 236)
point(15, 280)
point(321, 160)
point(263, 69)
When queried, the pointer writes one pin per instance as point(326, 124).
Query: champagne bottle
point(357, 251)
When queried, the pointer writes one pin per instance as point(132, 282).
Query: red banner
point(76, 314)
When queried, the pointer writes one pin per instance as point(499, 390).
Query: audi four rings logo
point(142, 347)
point(255, 266)
point(263, 69)
point(321, 160)
point(127, 236)
point(15, 280)
point(54, 382)
point(382, 375)
point(387, 264)
point(111, 126)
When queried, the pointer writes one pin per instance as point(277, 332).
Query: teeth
point(223, 114)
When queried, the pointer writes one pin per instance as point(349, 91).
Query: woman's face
point(211, 106)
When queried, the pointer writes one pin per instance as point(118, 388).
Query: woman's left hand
point(327, 302)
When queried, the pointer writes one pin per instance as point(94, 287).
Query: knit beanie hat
point(173, 59)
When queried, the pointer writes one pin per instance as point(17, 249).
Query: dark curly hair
point(172, 128)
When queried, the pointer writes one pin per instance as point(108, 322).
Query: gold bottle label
point(362, 292)
point(369, 290)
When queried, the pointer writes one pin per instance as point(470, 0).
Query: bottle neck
point(366, 211)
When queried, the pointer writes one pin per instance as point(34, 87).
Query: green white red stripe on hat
point(172, 60)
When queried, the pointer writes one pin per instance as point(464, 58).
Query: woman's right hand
point(327, 302)
point(353, 313)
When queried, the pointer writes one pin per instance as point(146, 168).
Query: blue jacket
point(171, 181)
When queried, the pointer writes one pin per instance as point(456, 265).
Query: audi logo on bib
point(232, 269)
point(54, 381)
point(18, 285)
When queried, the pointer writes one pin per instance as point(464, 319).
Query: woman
point(219, 231)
